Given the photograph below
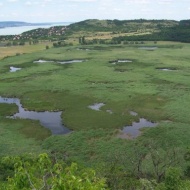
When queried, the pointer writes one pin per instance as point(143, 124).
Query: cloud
point(165, 2)
point(32, 3)
point(81, 0)
point(28, 3)
point(1, 4)
point(14, 14)
point(12, 1)
point(117, 9)
point(138, 1)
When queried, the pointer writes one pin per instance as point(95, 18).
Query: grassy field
point(13, 50)
point(141, 86)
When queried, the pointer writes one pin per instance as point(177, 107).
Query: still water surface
point(133, 131)
point(14, 69)
point(21, 29)
point(50, 120)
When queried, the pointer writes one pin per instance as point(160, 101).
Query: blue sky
point(77, 10)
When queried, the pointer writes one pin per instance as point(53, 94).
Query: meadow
point(153, 83)
point(20, 49)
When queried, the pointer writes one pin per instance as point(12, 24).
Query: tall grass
point(157, 95)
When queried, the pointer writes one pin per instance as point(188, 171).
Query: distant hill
point(179, 32)
point(121, 25)
point(126, 30)
point(140, 30)
point(18, 23)
point(12, 24)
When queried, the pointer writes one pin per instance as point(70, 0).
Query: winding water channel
point(50, 120)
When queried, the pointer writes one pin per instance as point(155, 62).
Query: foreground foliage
point(44, 173)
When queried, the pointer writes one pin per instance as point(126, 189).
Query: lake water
point(21, 29)
point(50, 120)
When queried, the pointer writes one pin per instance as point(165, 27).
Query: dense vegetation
point(41, 172)
point(121, 26)
point(149, 79)
point(178, 33)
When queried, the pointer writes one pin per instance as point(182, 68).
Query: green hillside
point(117, 30)
point(179, 32)
point(94, 25)
point(121, 25)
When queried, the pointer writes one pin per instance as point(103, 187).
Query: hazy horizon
point(16, 30)
point(33, 22)
point(54, 22)
point(77, 10)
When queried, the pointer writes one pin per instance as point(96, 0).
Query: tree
point(44, 173)
point(15, 43)
point(187, 159)
point(8, 44)
point(80, 40)
point(22, 43)
point(173, 179)
point(163, 159)
point(83, 40)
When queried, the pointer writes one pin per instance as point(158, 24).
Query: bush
point(44, 173)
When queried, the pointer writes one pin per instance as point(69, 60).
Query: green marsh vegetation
point(141, 86)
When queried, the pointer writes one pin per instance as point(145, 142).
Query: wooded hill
point(155, 30)
point(5, 24)
point(13, 24)
point(179, 32)
point(122, 25)
point(127, 30)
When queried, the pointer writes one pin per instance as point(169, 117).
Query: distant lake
point(21, 29)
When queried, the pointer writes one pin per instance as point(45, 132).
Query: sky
point(77, 10)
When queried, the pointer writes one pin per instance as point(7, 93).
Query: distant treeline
point(120, 25)
point(180, 33)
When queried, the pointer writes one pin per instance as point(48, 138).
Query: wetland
point(97, 104)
